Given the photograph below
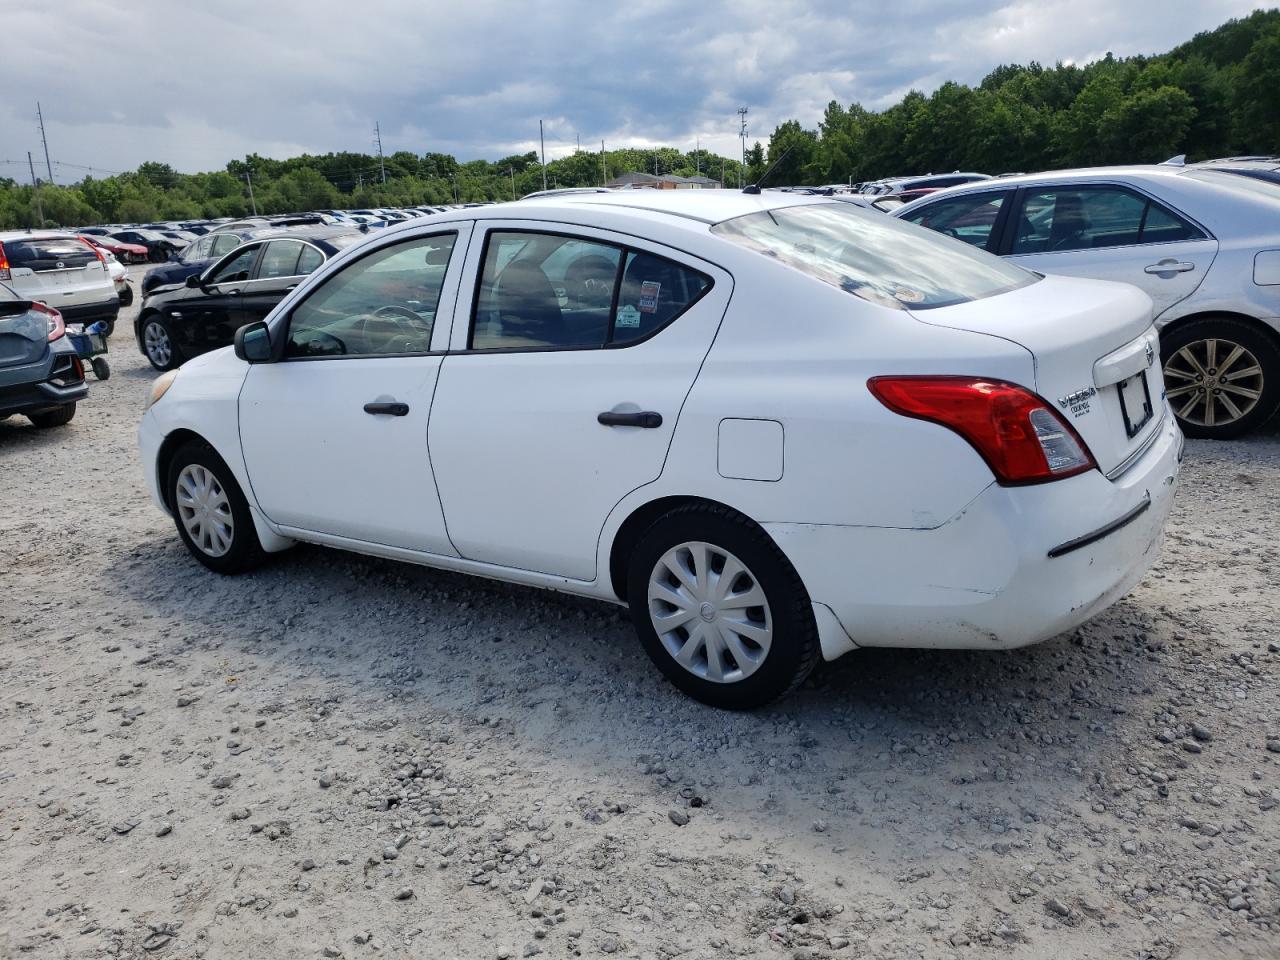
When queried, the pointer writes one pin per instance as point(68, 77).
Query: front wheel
point(210, 510)
point(157, 344)
point(1222, 377)
point(720, 610)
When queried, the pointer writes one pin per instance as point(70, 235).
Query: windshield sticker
point(649, 291)
point(628, 316)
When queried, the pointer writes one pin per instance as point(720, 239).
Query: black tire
point(245, 550)
point(101, 369)
point(154, 354)
point(793, 651)
point(1182, 388)
point(126, 298)
point(111, 327)
point(58, 417)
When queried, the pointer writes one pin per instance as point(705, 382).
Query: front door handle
point(389, 408)
point(643, 418)
point(1170, 266)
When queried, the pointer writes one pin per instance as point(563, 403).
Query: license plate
point(1135, 403)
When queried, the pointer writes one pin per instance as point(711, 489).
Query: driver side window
point(236, 270)
point(379, 305)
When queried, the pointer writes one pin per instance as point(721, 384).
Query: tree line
point(1216, 95)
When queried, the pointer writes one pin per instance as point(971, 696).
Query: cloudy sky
point(197, 84)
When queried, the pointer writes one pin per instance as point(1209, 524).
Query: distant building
point(666, 181)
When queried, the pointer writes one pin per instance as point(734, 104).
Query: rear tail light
point(4, 264)
point(57, 328)
point(96, 252)
point(1022, 439)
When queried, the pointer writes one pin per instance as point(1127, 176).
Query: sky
point(197, 84)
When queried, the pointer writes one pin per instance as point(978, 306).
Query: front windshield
point(874, 256)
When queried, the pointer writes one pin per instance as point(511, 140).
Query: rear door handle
point(390, 409)
point(1171, 266)
point(643, 418)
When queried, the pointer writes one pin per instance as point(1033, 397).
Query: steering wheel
point(407, 324)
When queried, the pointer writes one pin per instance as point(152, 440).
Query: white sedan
point(776, 427)
point(1202, 241)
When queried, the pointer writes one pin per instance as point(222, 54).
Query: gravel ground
point(339, 756)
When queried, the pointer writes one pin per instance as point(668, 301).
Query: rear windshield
point(875, 257)
point(49, 253)
point(1247, 181)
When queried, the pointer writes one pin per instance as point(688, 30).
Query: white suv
point(1203, 243)
point(61, 271)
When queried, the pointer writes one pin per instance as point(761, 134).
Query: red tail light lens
point(57, 328)
point(97, 252)
point(4, 264)
point(1022, 439)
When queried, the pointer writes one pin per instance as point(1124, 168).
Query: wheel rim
point(1213, 382)
point(710, 612)
point(205, 510)
point(156, 339)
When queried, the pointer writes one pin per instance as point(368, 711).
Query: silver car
point(1203, 242)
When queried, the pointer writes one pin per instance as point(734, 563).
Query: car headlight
point(160, 388)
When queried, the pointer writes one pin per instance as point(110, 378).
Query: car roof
point(699, 206)
point(37, 235)
point(316, 232)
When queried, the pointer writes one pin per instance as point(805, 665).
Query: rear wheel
point(158, 345)
point(58, 417)
point(720, 610)
point(210, 511)
point(1222, 377)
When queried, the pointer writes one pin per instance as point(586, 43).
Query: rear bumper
point(91, 312)
point(1018, 565)
point(39, 396)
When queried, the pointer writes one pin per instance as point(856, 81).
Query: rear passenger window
point(310, 259)
point(549, 291)
point(654, 292)
point(1093, 218)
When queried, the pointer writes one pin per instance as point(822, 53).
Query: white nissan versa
point(774, 426)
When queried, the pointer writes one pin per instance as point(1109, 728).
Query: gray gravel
point(338, 756)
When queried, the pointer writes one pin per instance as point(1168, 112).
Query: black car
point(178, 323)
point(159, 247)
point(194, 259)
point(40, 375)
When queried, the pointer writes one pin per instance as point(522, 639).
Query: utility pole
point(697, 155)
point(512, 171)
point(36, 184)
point(604, 171)
point(742, 132)
point(248, 178)
point(47, 164)
point(377, 136)
point(543, 141)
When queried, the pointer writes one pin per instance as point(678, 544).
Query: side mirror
point(193, 281)
point(253, 343)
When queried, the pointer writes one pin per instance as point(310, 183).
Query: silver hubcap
point(156, 340)
point(205, 510)
point(710, 612)
point(1213, 382)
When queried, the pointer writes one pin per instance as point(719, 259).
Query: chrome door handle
point(1170, 266)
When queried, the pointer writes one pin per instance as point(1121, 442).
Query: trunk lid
point(24, 334)
point(1096, 354)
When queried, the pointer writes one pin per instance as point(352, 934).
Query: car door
point(276, 273)
point(334, 434)
point(1109, 232)
point(568, 369)
point(209, 315)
